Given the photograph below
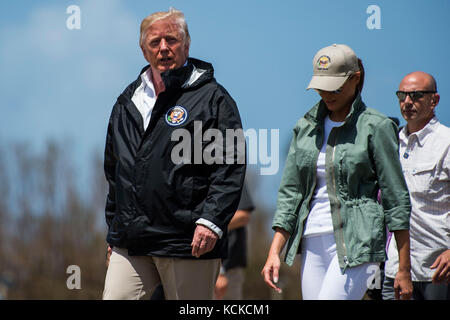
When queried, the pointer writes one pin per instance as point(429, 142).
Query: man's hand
point(108, 255)
point(204, 240)
point(403, 287)
point(442, 266)
point(221, 287)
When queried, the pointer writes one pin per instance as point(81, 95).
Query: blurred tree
point(50, 221)
point(260, 238)
point(52, 227)
point(4, 213)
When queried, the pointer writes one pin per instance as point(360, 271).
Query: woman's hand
point(271, 269)
point(270, 272)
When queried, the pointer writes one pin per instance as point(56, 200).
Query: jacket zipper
point(315, 158)
point(338, 207)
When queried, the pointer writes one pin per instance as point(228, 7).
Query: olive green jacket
point(361, 158)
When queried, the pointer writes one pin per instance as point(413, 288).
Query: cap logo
point(176, 116)
point(323, 63)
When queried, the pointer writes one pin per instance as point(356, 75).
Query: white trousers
point(321, 277)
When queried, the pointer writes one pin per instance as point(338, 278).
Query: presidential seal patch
point(323, 63)
point(176, 115)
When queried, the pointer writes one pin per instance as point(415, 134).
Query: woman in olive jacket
point(341, 154)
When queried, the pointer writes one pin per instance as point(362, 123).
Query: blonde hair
point(179, 19)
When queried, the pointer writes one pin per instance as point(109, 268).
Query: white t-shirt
point(319, 219)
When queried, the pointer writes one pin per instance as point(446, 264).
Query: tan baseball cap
point(332, 66)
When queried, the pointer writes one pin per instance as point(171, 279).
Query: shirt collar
point(423, 133)
point(146, 78)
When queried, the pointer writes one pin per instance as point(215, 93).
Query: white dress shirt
point(144, 98)
point(425, 158)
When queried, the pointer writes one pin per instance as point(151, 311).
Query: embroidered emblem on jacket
point(176, 115)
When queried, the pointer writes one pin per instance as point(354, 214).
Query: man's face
point(164, 46)
point(420, 111)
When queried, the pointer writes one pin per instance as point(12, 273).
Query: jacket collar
point(192, 74)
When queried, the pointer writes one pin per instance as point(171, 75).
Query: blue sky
point(61, 84)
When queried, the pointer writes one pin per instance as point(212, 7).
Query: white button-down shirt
point(425, 158)
point(144, 98)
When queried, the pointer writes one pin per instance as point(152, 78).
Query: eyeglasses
point(414, 95)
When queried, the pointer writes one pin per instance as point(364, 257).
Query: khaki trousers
point(136, 277)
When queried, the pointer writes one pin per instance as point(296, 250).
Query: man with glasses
point(425, 157)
